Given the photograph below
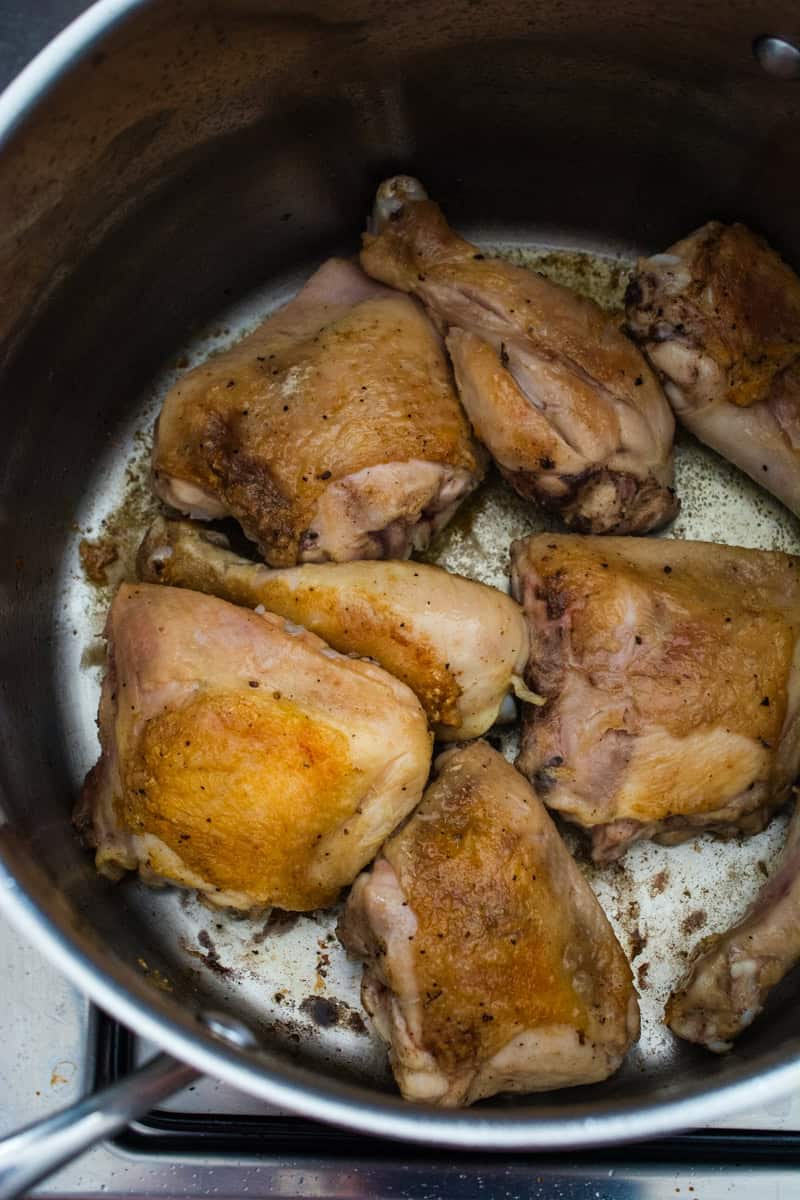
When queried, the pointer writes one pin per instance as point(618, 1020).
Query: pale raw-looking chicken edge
point(489, 964)
point(566, 403)
point(733, 973)
point(460, 646)
point(671, 672)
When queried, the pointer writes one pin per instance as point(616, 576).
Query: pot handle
point(35, 1152)
point(40, 1149)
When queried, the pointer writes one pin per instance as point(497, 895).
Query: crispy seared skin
point(490, 965)
point(719, 316)
point(332, 432)
point(243, 757)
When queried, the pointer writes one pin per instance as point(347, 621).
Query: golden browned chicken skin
point(331, 432)
point(671, 671)
point(719, 316)
point(730, 979)
point(459, 645)
point(243, 757)
point(565, 403)
point(490, 966)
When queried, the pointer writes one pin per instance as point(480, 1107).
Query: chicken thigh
point(728, 983)
point(459, 645)
point(243, 757)
point(331, 432)
point(672, 671)
point(719, 316)
point(565, 403)
point(490, 966)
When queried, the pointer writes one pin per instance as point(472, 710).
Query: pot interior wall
point(202, 149)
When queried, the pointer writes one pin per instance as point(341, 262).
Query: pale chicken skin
point(564, 401)
point(241, 756)
point(672, 674)
point(460, 646)
point(730, 979)
point(333, 432)
point(490, 966)
point(719, 316)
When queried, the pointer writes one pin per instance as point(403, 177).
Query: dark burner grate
point(164, 1132)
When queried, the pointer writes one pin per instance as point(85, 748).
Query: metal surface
point(778, 57)
point(289, 974)
point(200, 149)
point(39, 1149)
point(47, 1057)
point(36, 1152)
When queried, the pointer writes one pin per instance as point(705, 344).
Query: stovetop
point(212, 1141)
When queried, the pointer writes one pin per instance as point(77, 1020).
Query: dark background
point(27, 25)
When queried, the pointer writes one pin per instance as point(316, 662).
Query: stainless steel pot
point(162, 156)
